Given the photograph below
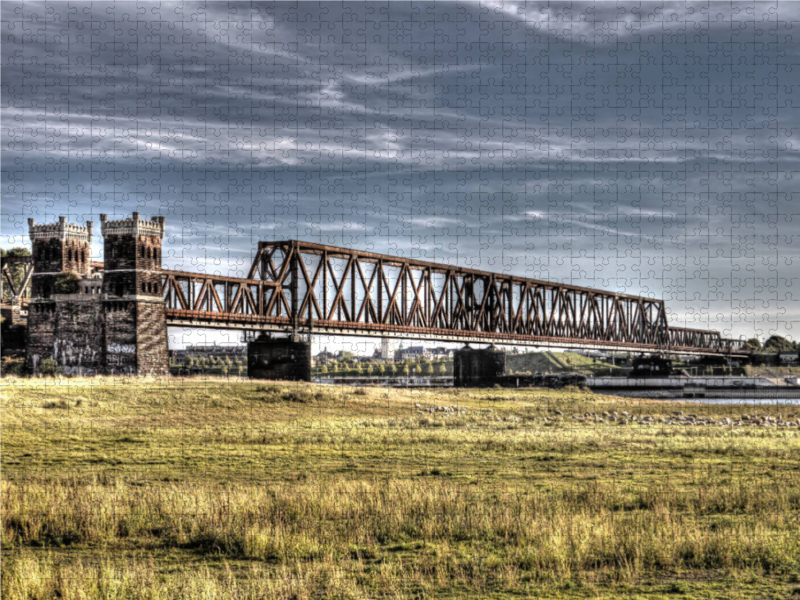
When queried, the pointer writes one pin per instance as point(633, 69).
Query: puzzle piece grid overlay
point(645, 148)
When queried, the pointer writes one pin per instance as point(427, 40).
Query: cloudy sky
point(648, 148)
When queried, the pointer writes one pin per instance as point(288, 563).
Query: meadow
point(209, 488)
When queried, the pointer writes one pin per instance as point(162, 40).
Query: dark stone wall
point(279, 359)
point(89, 335)
point(42, 286)
point(78, 346)
point(41, 333)
point(478, 368)
point(120, 339)
point(152, 354)
point(48, 255)
point(12, 338)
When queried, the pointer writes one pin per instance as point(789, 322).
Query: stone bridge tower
point(117, 328)
point(135, 321)
point(57, 248)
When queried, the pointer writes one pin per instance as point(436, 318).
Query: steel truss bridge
point(305, 288)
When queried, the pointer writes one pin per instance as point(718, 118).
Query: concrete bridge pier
point(478, 368)
point(279, 358)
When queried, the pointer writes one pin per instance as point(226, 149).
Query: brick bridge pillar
point(477, 368)
point(279, 358)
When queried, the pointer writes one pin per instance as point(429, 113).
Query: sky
point(646, 148)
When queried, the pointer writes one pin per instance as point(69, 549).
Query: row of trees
point(424, 368)
point(775, 343)
point(222, 364)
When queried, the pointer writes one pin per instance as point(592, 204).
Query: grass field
point(214, 489)
point(556, 362)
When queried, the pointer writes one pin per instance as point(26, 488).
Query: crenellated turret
point(58, 248)
point(132, 255)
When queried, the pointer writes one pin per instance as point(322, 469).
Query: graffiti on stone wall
point(121, 349)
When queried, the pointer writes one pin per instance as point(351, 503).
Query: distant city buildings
point(412, 352)
point(384, 353)
point(419, 352)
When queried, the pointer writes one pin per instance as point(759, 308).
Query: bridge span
point(113, 316)
point(305, 288)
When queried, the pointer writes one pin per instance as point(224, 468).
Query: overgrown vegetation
point(209, 489)
point(67, 283)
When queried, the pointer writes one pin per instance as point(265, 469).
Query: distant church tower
point(386, 348)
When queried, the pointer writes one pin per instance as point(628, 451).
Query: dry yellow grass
point(292, 491)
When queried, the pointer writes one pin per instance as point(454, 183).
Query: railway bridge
point(113, 317)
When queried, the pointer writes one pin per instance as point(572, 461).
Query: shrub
point(13, 367)
point(66, 283)
point(48, 367)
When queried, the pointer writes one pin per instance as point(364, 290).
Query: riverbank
point(209, 488)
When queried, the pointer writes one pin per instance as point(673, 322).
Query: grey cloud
point(647, 147)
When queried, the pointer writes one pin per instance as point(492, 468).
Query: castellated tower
point(135, 321)
point(132, 256)
point(118, 327)
point(64, 327)
point(57, 248)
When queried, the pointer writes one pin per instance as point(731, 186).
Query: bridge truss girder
point(303, 287)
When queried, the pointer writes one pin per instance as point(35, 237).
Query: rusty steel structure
point(302, 288)
point(6, 263)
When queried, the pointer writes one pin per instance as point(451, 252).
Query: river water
point(771, 401)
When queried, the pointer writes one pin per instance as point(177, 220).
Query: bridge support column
point(279, 358)
point(478, 368)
